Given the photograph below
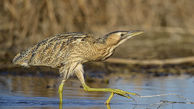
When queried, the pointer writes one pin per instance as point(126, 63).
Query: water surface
point(40, 92)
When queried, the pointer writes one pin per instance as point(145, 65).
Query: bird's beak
point(130, 34)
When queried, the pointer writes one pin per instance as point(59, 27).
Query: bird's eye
point(122, 34)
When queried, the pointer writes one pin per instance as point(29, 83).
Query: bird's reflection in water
point(108, 106)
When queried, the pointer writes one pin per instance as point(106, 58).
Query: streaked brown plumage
point(68, 51)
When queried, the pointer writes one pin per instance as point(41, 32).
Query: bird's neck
point(104, 51)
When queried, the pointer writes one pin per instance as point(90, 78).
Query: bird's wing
point(67, 70)
point(51, 51)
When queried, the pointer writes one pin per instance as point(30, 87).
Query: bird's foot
point(123, 93)
point(113, 91)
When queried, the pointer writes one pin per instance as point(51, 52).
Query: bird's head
point(118, 37)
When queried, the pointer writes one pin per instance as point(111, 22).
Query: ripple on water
point(32, 92)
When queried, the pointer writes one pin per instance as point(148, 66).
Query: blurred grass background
point(168, 25)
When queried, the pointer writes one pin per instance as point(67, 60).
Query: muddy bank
point(102, 70)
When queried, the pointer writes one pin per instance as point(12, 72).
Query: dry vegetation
point(25, 22)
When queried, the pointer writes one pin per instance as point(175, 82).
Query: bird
point(69, 51)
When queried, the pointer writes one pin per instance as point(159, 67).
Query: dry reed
point(24, 22)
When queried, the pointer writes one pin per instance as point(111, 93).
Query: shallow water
point(40, 92)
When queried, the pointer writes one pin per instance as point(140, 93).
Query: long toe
point(124, 93)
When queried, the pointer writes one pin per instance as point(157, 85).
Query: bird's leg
point(109, 98)
point(113, 91)
point(60, 91)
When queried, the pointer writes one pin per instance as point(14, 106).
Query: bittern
point(68, 51)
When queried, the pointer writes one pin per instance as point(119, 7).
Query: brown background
point(168, 25)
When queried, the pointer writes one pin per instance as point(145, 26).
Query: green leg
point(60, 91)
point(110, 97)
point(113, 91)
point(79, 72)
